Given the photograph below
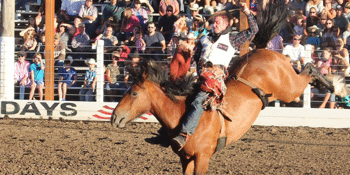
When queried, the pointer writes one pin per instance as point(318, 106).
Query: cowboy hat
point(313, 28)
point(195, 7)
point(91, 61)
point(191, 36)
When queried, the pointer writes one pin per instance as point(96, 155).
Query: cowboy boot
point(179, 141)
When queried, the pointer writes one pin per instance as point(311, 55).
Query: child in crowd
point(140, 43)
point(37, 76)
point(299, 27)
point(89, 82)
point(66, 79)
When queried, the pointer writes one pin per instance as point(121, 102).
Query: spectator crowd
point(317, 31)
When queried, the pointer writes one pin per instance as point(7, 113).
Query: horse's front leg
point(187, 165)
point(201, 163)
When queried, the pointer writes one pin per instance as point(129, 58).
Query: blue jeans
point(195, 113)
point(22, 89)
point(86, 94)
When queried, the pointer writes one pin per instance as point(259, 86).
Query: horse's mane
point(159, 74)
point(270, 20)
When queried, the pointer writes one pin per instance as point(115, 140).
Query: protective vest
point(219, 53)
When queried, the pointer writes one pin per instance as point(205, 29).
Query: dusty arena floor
point(55, 147)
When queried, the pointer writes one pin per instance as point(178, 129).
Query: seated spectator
point(295, 50)
point(22, 73)
point(346, 38)
point(198, 27)
point(309, 53)
point(226, 5)
point(155, 42)
point(340, 57)
point(299, 28)
point(128, 25)
point(253, 7)
point(66, 79)
point(324, 65)
point(59, 52)
point(165, 3)
point(88, 12)
point(336, 34)
point(312, 19)
point(124, 52)
point(30, 42)
point(41, 45)
point(321, 24)
point(115, 10)
point(329, 10)
point(316, 4)
point(194, 12)
point(37, 76)
point(313, 38)
point(102, 29)
point(112, 71)
point(64, 35)
point(70, 9)
point(347, 11)
point(142, 12)
point(166, 24)
point(276, 44)
point(110, 41)
point(340, 20)
point(297, 4)
point(86, 92)
point(181, 28)
point(327, 34)
point(81, 42)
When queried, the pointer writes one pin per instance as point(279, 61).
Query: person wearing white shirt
point(295, 50)
point(70, 9)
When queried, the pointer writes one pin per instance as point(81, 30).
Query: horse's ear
point(144, 75)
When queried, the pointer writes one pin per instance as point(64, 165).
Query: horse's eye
point(133, 93)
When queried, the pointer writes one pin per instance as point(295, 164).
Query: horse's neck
point(167, 112)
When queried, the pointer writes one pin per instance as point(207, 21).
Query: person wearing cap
point(89, 82)
point(81, 42)
point(70, 9)
point(194, 12)
point(313, 38)
point(21, 73)
point(340, 20)
point(165, 3)
point(88, 12)
point(166, 23)
point(223, 42)
point(347, 10)
point(66, 79)
point(198, 26)
point(37, 69)
point(142, 12)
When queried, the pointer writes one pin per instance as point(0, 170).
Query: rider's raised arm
point(245, 35)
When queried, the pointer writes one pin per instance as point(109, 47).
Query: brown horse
point(268, 70)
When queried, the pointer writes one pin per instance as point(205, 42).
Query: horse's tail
point(340, 87)
point(271, 17)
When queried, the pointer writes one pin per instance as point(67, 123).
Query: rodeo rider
point(214, 52)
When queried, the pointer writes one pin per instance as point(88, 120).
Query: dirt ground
point(56, 147)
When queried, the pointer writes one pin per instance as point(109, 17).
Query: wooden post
point(243, 25)
point(49, 49)
point(7, 50)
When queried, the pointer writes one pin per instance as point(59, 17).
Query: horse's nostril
point(113, 119)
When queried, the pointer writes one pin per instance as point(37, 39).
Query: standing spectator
point(165, 3)
point(155, 42)
point(59, 53)
point(316, 4)
point(142, 12)
point(276, 44)
point(340, 20)
point(166, 24)
point(88, 12)
point(295, 50)
point(37, 76)
point(30, 42)
point(115, 10)
point(128, 25)
point(70, 9)
point(81, 42)
point(89, 82)
point(347, 11)
point(21, 73)
point(329, 10)
point(194, 12)
point(66, 79)
point(313, 38)
point(112, 72)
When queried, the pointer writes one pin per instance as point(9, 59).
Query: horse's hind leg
point(312, 71)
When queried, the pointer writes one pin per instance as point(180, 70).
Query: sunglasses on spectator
point(20, 55)
point(312, 12)
point(296, 39)
point(329, 23)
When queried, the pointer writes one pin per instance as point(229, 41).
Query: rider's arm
point(243, 36)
